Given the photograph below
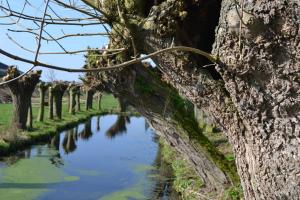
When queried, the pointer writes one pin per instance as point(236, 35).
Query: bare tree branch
point(61, 37)
point(37, 50)
point(82, 11)
point(212, 58)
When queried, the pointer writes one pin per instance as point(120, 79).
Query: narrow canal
point(106, 158)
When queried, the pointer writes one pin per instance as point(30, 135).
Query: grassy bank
point(12, 139)
point(186, 181)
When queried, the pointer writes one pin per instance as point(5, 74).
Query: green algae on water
point(134, 192)
point(29, 178)
point(144, 168)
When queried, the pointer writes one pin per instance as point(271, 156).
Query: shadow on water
point(85, 163)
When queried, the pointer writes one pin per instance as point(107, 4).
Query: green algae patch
point(134, 192)
point(29, 178)
point(137, 190)
point(71, 178)
point(144, 168)
point(154, 176)
point(88, 172)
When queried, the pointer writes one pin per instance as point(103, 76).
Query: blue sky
point(28, 41)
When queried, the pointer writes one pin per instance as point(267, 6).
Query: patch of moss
point(233, 193)
point(189, 124)
point(143, 87)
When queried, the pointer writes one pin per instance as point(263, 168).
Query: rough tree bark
point(254, 91)
point(253, 95)
point(21, 91)
point(42, 89)
point(263, 79)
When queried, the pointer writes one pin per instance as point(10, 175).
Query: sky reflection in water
point(108, 157)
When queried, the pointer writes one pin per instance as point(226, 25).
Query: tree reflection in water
point(69, 144)
point(119, 127)
point(98, 123)
point(87, 131)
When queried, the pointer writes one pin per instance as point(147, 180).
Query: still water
point(106, 158)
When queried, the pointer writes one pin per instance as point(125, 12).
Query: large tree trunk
point(263, 79)
point(253, 93)
point(167, 113)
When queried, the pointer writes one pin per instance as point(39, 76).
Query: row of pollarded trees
point(23, 88)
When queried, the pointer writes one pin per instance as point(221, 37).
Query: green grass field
point(9, 137)
point(108, 103)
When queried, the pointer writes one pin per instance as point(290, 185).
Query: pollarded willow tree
point(43, 87)
point(58, 89)
point(250, 85)
point(21, 91)
point(74, 90)
point(89, 97)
